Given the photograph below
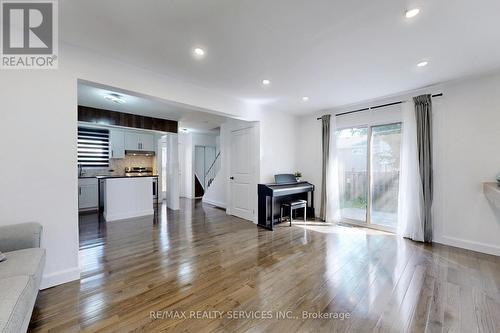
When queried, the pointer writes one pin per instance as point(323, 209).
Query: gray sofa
point(20, 274)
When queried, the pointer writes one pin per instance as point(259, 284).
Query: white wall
point(308, 154)
point(204, 139)
point(278, 134)
point(466, 129)
point(173, 181)
point(185, 165)
point(466, 135)
point(216, 193)
point(38, 130)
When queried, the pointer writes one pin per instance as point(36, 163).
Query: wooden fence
point(354, 189)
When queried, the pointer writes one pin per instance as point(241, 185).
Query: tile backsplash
point(119, 165)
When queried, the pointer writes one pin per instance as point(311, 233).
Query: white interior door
point(242, 175)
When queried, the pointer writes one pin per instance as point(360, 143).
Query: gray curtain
point(325, 124)
point(423, 115)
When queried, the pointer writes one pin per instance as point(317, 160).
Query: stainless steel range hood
point(139, 153)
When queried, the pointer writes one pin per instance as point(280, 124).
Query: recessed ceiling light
point(305, 99)
point(266, 82)
point(422, 63)
point(199, 52)
point(412, 12)
point(115, 98)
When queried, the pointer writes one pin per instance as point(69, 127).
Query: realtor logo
point(29, 34)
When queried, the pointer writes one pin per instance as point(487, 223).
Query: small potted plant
point(298, 175)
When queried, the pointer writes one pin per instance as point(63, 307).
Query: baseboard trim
point(214, 203)
point(469, 245)
point(54, 279)
point(115, 217)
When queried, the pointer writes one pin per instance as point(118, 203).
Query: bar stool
point(292, 205)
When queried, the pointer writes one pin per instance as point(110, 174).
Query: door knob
point(231, 178)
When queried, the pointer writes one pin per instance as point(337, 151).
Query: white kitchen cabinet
point(117, 143)
point(147, 141)
point(131, 141)
point(139, 141)
point(87, 193)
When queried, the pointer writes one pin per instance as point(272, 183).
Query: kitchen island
point(125, 197)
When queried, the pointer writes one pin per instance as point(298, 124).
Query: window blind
point(93, 147)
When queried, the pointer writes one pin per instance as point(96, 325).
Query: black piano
point(286, 188)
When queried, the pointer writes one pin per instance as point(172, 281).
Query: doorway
point(204, 157)
point(369, 160)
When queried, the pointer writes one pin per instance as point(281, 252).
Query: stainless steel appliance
point(138, 172)
point(155, 188)
point(144, 172)
point(139, 153)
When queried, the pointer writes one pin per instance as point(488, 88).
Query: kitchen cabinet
point(147, 141)
point(139, 141)
point(131, 141)
point(116, 143)
point(87, 193)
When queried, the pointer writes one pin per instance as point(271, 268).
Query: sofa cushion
point(28, 262)
point(18, 295)
point(20, 236)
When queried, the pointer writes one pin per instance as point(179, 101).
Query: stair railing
point(212, 171)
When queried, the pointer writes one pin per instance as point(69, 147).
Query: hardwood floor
point(199, 259)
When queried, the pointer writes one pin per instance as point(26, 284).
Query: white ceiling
point(336, 52)
point(195, 120)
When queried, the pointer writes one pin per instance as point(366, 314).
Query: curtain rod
point(376, 107)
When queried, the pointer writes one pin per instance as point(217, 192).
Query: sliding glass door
point(352, 148)
point(384, 174)
point(369, 159)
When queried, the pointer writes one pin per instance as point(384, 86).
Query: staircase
point(199, 191)
point(212, 171)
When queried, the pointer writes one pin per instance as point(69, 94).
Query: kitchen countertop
point(115, 176)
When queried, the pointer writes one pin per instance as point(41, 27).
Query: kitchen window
point(93, 147)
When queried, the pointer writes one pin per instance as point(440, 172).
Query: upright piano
point(286, 188)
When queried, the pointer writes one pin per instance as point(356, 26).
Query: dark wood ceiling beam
point(106, 117)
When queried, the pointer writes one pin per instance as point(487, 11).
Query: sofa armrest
point(20, 236)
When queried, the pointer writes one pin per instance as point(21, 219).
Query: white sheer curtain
point(332, 178)
point(410, 208)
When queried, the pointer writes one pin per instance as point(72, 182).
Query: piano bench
point(292, 205)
